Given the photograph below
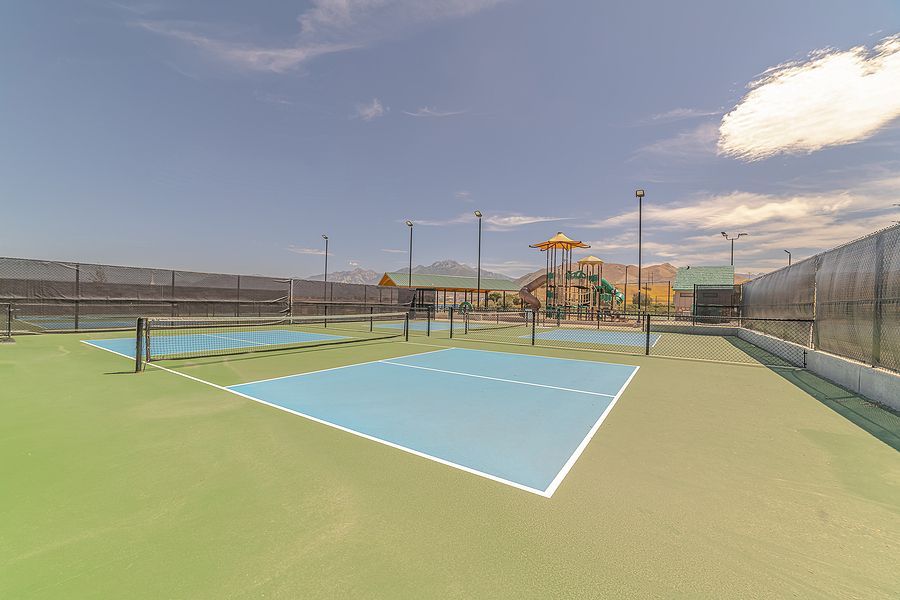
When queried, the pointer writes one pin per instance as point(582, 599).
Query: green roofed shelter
point(438, 286)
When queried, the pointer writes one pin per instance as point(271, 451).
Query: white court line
point(387, 361)
point(368, 362)
point(587, 439)
point(547, 493)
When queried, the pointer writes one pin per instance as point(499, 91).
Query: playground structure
point(570, 286)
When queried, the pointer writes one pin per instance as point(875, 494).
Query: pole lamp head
point(724, 235)
point(324, 237)
point(638, 193)
point(742, 234)
point(409, 223)
point(478, 213)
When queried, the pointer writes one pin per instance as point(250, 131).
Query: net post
point(647, 337)
point(428, 321)
point(371, 318)
point(451, 322)
point(138, 350)
point(406, 327)
point(466, 323)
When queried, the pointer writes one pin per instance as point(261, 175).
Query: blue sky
point(230, 135)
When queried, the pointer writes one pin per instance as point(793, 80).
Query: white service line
point(552, 387)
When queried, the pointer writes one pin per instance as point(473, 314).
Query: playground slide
point(608, 288)
point(527, 296)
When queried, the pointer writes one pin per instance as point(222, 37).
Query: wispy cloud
point(371, 110)
point(499, 222)
point(463, 196)
point(269, 98)
point(326, 27)
point(680, 114)
point(697, 142)
point(832, 98)
point(245, 55)
point(393, 251)
point(431, 112)
point(299, 250)
point(515, 268)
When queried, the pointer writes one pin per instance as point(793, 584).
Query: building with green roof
point(686, 278)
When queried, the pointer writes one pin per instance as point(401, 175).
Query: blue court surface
point(167, 345)
point(595, 336)
point(519, 419)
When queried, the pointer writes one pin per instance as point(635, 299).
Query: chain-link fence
point(45, 296)
point(5, 321)
point(852, 293)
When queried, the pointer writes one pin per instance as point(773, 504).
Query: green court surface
point(706, 480)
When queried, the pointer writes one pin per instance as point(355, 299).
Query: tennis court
point(250, 456)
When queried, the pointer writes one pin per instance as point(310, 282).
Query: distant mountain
point(451, 267)
point(441, 267)
point(357, 275)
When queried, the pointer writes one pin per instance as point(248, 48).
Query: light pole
point(639, 194)
point(478, 276)
point(789, 257)
point(325, 292)
point(731, 239)
point(410, 225)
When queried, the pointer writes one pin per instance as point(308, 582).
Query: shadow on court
point(879, 421)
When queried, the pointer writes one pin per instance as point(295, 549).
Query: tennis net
point(162, 338)
point(495, 319)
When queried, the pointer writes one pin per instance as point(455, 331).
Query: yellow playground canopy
point(559, 241)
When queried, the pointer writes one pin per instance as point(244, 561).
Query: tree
point(495, 297)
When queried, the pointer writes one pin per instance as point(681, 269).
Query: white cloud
point(426, 111)
point(370, 111)
point(299, 250)
point(688, 232)
point(464, 196)
point(393, 251)
point(832, 98)
point(328, 26)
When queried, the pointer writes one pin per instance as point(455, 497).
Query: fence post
point(428, 321)
point(451, 321)
point(533, 325)
point(406, 327)
point(371, 318)
point(138, 351)
point(647, 337)
point(77, 294)
point(879, 292)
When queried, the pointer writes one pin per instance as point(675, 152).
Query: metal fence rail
point(852, 293)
